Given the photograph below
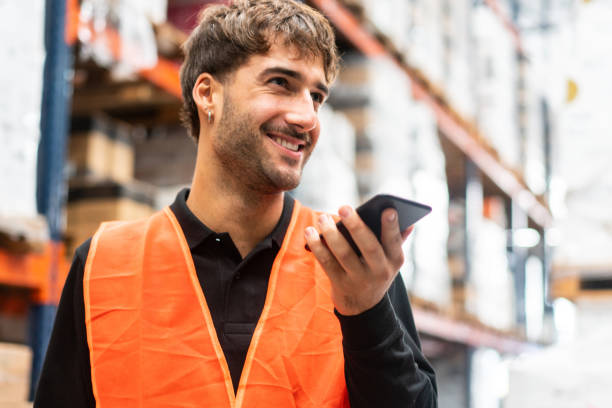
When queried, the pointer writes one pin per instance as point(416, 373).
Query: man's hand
point(358, 283)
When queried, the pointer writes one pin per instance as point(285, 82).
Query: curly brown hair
point(227, 35)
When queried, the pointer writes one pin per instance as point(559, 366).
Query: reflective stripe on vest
point(151, 338)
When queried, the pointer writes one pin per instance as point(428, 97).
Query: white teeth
point(288, 145)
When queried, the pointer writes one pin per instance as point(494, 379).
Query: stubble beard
point(239, 146)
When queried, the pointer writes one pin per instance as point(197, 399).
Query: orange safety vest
point(152, 342)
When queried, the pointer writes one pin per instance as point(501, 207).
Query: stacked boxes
point(91, 204)
point(102, 187)
point(583, 136)
point(100, 149)
point(490, 284)
point(15, 365)
point(497, 79)
point(328, 180)
point(458, 57)
point(166, 157)
point(434, 38)
point(534, 112)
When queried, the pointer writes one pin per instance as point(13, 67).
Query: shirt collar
point(196, 231)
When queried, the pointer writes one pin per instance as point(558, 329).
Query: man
point(215, 301)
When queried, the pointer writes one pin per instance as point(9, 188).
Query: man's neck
point(247, 216)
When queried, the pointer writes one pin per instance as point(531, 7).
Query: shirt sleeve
point(65, 379)
point(384, 364)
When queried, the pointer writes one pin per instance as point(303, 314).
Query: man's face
point(269, 124)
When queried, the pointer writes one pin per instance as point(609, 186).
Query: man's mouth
point(287, 137)
point(294, 147)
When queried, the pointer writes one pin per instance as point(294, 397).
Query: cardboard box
point(91, 204)
point(15, 366)
point(101, 149)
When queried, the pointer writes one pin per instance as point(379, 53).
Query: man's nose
point(302, 113)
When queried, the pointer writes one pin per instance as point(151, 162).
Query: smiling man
point(214, 301)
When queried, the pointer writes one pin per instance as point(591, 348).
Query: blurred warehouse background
point(494, 112)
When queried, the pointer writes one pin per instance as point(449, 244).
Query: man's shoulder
point(82, 250)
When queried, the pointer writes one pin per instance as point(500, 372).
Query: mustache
point(287, 130)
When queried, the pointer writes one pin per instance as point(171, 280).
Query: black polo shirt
point(384, 365)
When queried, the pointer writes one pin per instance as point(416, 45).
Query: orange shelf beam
point(44, 273)
point(350, 27)
point(451, 128)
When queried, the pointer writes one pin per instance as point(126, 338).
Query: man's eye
point(279, 81)
point(317, 97)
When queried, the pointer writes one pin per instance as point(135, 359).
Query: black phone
point(370, 212)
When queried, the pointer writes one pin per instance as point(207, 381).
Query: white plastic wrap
point(393, 18)
point(102, 20)
point(426, 47)
point(407, 161)
point(459, 78)
point(488, 378)
point(584, 145)
point(328, 180)
point(22, 54)
point(571, 374)
point(491, 285)
point(432, 280)
point(536, 76)
point(496, 80)
point(390, 129)
point(415, 27)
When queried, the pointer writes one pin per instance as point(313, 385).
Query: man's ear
point(205, 92)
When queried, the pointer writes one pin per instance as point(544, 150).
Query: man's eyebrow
point(293, 74)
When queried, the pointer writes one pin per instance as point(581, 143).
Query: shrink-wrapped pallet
point(583, 144)
point(432, 280)
point(490, 287)
point(328, 180)
point(133, 21)
point(21, 86)
point(415, 29)
point(459, 78)
point(573, 373)
point(496, 81)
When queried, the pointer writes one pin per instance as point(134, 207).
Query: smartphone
point(370, 212)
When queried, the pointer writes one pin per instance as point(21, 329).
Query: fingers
point(391, 237)
point(320, 250)
point(336, 255)
point(407, 232)
point(338, 245)
point(371, 250)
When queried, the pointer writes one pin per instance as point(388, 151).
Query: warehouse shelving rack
point(458, 131)
point(37, 271)
point(480, 159)
point(477, 159)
